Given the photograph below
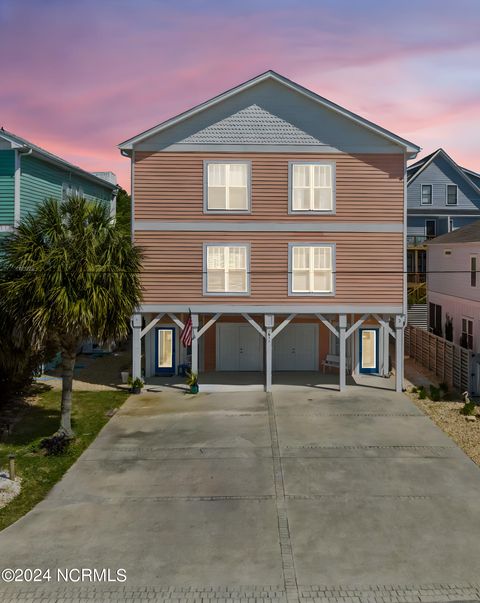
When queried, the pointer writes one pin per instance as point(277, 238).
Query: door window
point(369, 350)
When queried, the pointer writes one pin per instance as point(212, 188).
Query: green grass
point(40, 473)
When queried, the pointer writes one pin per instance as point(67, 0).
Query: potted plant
point(135, 385)
point(192, 382)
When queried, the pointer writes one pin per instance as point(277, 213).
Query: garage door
point(295, 348)
point(239, 348)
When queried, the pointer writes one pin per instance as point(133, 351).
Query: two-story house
point(442, 196)
point(278, 219)
point(30, 174)
point(454, 286)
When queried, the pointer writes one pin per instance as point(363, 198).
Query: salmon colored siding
point(369, 267)
point(169, 186)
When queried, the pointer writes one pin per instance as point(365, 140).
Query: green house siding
point(7, 187)
point(40, 180)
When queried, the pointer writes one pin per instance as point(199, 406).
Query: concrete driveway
point(300, 495)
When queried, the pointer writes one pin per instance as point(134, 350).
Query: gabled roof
point(418, 167)
point(408, 146)
point(466, 234)
point(22, 143)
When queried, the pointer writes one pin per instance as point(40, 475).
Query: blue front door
point(369, 350)
point(165, 351)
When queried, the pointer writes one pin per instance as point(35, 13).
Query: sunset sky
point(80, 77)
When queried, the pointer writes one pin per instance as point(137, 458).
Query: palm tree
point(69, 274)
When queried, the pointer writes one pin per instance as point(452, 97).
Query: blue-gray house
point(442, 196)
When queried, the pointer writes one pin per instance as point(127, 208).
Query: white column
point(269, 322)
point(195, 343)
point(386, 348)
point(342, 327)
point(399, 328)
point(136, 324)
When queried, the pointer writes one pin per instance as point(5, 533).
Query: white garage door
point(239, 348)
point(295, 348)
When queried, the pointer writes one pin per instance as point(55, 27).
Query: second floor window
point(451, 194)
point(473, 271)
point(227, 187)
point(312, 187)
point(226, 269)
point(466, 338)
point(426, 194)
point(311, 269)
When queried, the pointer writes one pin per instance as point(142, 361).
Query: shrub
point(443, 387)
point(434, 393)
point(422, 394)
point(55, 445)
point(414, 390)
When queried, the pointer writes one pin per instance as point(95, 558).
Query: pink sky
point(80, 78)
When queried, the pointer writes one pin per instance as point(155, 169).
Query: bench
point(331, 361)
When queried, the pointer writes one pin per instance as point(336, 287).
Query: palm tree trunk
point(68, 362)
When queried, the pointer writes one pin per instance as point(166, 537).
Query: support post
point(399, 328)
point(195, 343)
point(342, 329)
point(386, 347)
point(269, 323)
point(136, 324)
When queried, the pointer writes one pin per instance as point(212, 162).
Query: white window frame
point(431, 194)
point(322, 212)
point(468, 319)
point(206, 209)
point(291, 292)
point(446, 195)
point(205, 269)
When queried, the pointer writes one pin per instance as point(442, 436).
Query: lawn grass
point(41, 419)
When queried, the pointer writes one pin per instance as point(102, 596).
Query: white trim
point(247, 268)
point(291, 247)
point(176, 320)
point(7, 228)
point(447, 204)
point(254, 324)
point(313, 308)
point(409, 146)
point(151, 324)
point(355, 326)
point(333, 172)
point(17, 184)
point(328, 324)
point(431, 195)
point(282, 325)
point(227, 211)
point(208, 324)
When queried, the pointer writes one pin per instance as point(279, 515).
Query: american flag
point(186, 334)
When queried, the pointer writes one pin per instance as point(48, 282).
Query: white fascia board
point(408, 146)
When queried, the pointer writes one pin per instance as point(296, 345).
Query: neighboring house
point(30, 174)
point(278, 219)
point(453, 285)
point(442, 196)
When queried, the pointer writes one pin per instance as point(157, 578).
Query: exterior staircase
point(417, 316)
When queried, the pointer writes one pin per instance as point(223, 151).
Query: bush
point(422, 394)
point(468, 408)
point(55, 445)
point(414, 390)
point(434, 393)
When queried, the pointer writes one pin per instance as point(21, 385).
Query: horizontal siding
point(169, 186)
point(7, 187)
point(40, 180)
point(173, 264)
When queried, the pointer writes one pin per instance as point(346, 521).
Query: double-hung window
point(452, 194)
point(226, 269)
point(311, 269)
point(466, 340)
point(227, 187)
point(312, 187)
point(473, 271)
point(426, 194)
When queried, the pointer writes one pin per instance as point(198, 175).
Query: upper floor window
point(312, 187)
point(227, 187)
point(69, 190)
point(466, 339)
point(452, 194)
point(426, 194)
point(311, 269)
point(226, 269)
point(473, 271)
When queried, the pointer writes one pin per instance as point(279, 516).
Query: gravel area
point(446, 414)
point(8, 488)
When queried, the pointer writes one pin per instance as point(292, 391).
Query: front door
point(165, 351)
point(369, 350)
